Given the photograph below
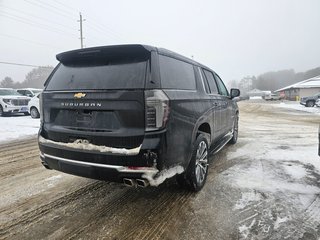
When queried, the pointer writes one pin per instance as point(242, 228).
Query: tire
point(310, 104)
point(196, 175)
point(34, 112)
point(234, 138)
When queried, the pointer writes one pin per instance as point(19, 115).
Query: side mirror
point(234, 92)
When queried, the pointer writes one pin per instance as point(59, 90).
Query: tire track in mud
point(16, 167)
point(34, 216)
point(310, 222)
point(16, 159)
point(19, 157)
point(152, 224)
point(133, 211)
point(116, 205)
point(17, 153)
point(13, 145)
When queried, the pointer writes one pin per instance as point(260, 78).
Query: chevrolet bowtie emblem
point(79, 95)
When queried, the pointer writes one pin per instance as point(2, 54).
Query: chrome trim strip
point(121, 169)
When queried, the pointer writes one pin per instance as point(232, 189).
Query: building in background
point(301, 89)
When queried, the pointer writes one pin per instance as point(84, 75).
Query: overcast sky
point(235, 38)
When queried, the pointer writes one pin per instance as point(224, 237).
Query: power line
point(23, 65)
point(43, 6)
point(100, 30)
point(54, 7)
point(31, 15)
point(26, 40)
point(31, 23)
point(97, 25)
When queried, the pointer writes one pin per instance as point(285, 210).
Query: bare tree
point(7, 82)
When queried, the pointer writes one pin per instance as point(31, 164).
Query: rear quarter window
point(176, 74)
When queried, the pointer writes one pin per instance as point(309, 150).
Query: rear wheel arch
point(202, 127)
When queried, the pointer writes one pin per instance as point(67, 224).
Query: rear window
point(176, 74)
point(106, 74)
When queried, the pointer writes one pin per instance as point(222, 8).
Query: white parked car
point(12, 102)
point(33, 106)
point(30, 92)
point(318, 103)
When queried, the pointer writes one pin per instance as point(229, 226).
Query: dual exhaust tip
point(135, 182)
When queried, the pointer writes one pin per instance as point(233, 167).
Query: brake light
point(157, 109)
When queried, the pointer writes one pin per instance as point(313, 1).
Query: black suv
point(135, 114)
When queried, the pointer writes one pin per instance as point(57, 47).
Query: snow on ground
point(255, 97)
point(17, 127)
point(297, 106)
point(278, 172)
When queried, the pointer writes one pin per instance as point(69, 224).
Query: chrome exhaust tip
point(142, 183)
point(129, 182)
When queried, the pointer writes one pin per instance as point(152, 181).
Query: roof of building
point(309, 83)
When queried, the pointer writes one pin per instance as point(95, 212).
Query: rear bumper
point(111, 165)
point(115, 173)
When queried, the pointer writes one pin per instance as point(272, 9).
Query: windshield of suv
point(7, 92)
point(119, 75)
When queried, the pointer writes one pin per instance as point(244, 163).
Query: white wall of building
point(306, 92)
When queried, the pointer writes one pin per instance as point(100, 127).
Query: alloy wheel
point(201, 162)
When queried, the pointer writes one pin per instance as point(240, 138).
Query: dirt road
point(267, 186)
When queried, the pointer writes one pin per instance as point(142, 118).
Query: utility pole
point(81, 33)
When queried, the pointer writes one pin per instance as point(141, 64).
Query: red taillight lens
point(157, 109)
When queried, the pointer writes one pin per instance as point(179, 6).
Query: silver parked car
point(12, 102)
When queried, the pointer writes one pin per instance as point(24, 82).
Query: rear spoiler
point(104, 52)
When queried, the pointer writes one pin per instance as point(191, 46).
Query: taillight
point(157, 109)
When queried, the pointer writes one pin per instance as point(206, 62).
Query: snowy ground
point(18, 127)
point(297, 106)
point(279, 174)
point(267, 186)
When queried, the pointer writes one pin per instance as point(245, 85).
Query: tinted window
point(222, 89)
point(21, 92)
point(205, 82)
point(111, 75)
point(212, 83)
point(176, 74)
point(7, 92)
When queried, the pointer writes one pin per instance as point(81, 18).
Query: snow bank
point(85, 145)
point(17, 127)
point(255, 97)
point(297, 106)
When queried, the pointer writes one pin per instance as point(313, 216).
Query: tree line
point(271, 81)
point(34, 79)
